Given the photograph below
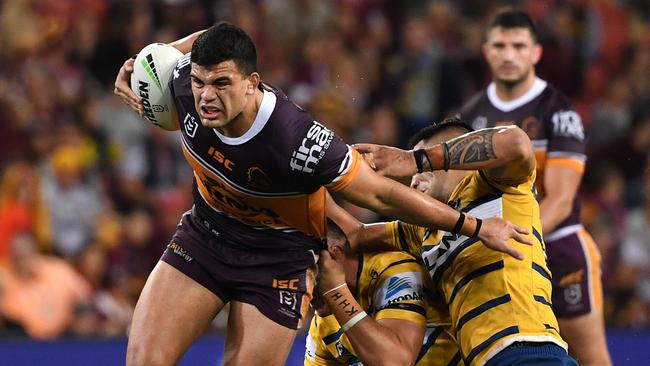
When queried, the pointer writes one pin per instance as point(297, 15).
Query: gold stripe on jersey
point(567, 162)
point(493, 299)
point(305, 212)
point(383, 293)
point(352, 167)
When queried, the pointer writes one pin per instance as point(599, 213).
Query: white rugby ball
point(152, 71)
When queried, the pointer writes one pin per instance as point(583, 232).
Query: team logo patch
point(179, 251)
point(288, 299)
point(190, 125)
point(311, 149)
point(257, 178)
point(573, 293)
point(479, 122)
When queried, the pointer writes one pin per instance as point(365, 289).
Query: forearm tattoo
point(342, 302)
point(472, 148)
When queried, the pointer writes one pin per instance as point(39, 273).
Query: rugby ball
point(152, 71)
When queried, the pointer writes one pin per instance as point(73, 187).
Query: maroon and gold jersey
point(266, 188)
point(552, 124)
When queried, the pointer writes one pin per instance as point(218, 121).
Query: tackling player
point(500, 308)
point(517, 96)
point(262, 166)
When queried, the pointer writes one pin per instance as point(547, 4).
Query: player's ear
point(253, 82)
point(537, 53)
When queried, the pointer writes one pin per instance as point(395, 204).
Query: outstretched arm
point(504, 153)
point(391, 199)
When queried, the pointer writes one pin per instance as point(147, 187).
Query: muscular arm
point(504, 153)
point(560, 187)
point(185, 44)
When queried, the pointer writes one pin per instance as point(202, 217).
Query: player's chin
point(212, 123)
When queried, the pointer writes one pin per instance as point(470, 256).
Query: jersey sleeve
point(316, 354)
point(400, 290)
point(321, 155)
point(566, 137)
point(405, 237)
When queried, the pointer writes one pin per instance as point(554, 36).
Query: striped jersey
point(264, 190)
point(552, 124)
point(390, 285)
point(493, 299)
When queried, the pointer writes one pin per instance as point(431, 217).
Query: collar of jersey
point(266, 108)
point(506, 106)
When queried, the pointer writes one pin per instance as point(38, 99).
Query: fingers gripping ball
point(152, 71)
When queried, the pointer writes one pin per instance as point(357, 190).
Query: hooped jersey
point(552, 124)
point(493, 299)
point(265, 189)
point(390, 285)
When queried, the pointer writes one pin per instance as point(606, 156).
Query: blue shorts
point(532, 354)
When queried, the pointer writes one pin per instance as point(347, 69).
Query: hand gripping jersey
point(493, 299)
point(550, 121)
point(390, 285)
point(265, 189)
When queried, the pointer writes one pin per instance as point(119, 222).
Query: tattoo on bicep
point(472, 148)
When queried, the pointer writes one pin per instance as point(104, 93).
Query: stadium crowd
point(90, 195)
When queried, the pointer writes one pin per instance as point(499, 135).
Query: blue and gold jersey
point(265, 189)
point(390, 285)
point(493, 299)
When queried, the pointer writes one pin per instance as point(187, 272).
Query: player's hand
point(496, 232)
point(123, 90)
point(388, 161)
point(330, 271)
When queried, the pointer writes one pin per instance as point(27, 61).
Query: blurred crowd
point(90, 194)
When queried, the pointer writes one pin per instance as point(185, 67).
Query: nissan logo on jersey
point(312, 149)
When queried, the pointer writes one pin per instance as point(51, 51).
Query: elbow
point(521, 148)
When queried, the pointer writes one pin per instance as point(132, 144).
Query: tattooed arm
point(504, 153)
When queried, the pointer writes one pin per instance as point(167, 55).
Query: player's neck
point(351, 268)
point(243, 122)
point(509, 92)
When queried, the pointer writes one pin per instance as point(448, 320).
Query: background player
point(499, 307)
point(388, 287)
point(261, 165)
point(518, 96)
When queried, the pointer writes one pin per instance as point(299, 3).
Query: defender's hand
point(496, 232)
point(388, 161)
point(330, 272)
point(123, 90)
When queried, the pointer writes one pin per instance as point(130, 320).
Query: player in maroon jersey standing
point(517, 96)
point(262, 168)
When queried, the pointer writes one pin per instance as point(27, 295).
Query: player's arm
point(503, 153)
point(389, 198)
point(382, 342)
point(560, 188)
point(123, 79)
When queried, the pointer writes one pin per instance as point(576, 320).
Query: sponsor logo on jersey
point(312, 148)
point(400, 287)
point(220, 158)
point(179, 251)
point(397, 284)
point(413, 296)
point(143, 90)
point(190, 125)
point(286, 284)
point(182, 62)
point(568, 124)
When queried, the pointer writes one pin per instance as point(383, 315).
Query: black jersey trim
point(539, 269)
point(482, 309)
point(477, 273)
point(485, 344)
point(431, 340)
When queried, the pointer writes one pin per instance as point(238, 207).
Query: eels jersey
point(493, 299)
point(390, 285)
point(264, 190)
point(552, 124)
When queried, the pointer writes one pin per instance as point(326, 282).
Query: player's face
point(220, 92)
point(512, 54)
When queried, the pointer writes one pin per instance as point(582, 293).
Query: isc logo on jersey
point(152, 71)
point(312, 148)
point(406, 286)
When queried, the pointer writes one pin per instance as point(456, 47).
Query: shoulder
point(476, 102)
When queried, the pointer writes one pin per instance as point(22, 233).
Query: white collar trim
point(506, 106)
point(266, 108)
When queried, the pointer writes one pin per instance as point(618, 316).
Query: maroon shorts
point(278, 284)
point(574, 261)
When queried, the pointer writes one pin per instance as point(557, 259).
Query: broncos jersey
point(493, 299)
point(264, 190)
point(552, 124)
point(390, 285)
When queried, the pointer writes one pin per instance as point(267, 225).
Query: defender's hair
point(223, 42)
point(513, 18)
point(446, 124)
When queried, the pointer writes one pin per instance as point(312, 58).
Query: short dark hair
point(335, 234)
point(431, 130)
point(222, 42)
point(513, 18)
